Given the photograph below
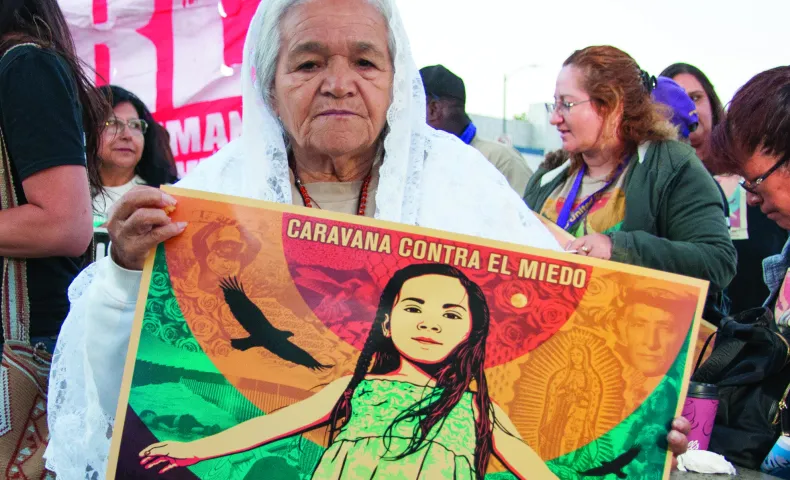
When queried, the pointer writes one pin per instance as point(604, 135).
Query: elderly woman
point(334, 117)
point(629, 192)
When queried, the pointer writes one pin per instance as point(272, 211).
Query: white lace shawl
point(428, 178)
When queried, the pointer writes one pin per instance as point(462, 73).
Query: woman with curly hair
point(624, 187)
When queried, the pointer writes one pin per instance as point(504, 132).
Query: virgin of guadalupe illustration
point(416, 407)
point(573, 398)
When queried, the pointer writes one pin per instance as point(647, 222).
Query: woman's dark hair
point(42, 22)
point(615, 83)
point(716, 107)
point(758, 120)
point(156, 166)
point(453, 377)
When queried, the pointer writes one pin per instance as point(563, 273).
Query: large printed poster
point(280, 342)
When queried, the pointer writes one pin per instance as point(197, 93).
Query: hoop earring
point(39, 22)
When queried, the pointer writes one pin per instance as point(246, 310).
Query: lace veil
point(428, 178)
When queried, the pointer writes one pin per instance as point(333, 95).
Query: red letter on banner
point(199, 66)
point(238, 15)
point(115, 49)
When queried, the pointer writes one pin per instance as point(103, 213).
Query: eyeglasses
point(751, 186)
point(563, 107)
point(114, 126)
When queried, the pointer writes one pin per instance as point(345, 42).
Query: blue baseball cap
point(684, 111)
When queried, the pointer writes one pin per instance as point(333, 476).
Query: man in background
point(445, 96)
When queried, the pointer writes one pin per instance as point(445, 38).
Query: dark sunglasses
point(751, 186)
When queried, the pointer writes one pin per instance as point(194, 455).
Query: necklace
point(308, 202)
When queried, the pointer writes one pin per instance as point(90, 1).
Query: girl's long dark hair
point(454, 376)
point(156, 166)
point(42, 22)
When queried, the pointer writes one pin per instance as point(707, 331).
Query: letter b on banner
point(109, 41)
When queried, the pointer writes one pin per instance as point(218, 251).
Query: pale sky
point(480, 40)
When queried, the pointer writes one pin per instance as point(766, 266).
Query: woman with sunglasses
point(623, 185)
point(133, 149)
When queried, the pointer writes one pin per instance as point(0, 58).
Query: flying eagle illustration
point(262, 332)
point(616, 466)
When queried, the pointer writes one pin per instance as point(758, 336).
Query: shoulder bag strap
point(721, 358)
point(15, 307)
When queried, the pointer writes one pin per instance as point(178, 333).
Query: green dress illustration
point(360, 452)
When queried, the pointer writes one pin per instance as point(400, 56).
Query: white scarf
point(428, 178)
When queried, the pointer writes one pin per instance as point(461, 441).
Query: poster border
point(137, 324)
point(128, 369)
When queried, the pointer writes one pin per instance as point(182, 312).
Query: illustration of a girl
point(416, 406)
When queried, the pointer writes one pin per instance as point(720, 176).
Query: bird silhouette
point(616, 466)
point(262, 332)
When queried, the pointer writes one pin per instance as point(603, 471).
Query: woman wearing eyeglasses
point(133, 149)
point(763, 237)
point(752, 142)
point(622, 186)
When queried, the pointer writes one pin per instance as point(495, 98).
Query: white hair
point(268, 43)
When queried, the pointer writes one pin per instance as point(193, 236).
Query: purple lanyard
point(567, 219)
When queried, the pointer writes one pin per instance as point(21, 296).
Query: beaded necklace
point(308, 201)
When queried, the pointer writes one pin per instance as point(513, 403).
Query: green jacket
point(674, 217)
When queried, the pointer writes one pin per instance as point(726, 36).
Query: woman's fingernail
point(168, 199)
point(675, 436)
point(181, 225)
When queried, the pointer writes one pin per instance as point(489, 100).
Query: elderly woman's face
point(334, 76)
point(580, 126)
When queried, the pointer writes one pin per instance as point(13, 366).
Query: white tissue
point(702, 461)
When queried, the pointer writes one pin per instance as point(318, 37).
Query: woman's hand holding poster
point(278, 342)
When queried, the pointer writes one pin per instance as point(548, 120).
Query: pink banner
point(181, 57)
